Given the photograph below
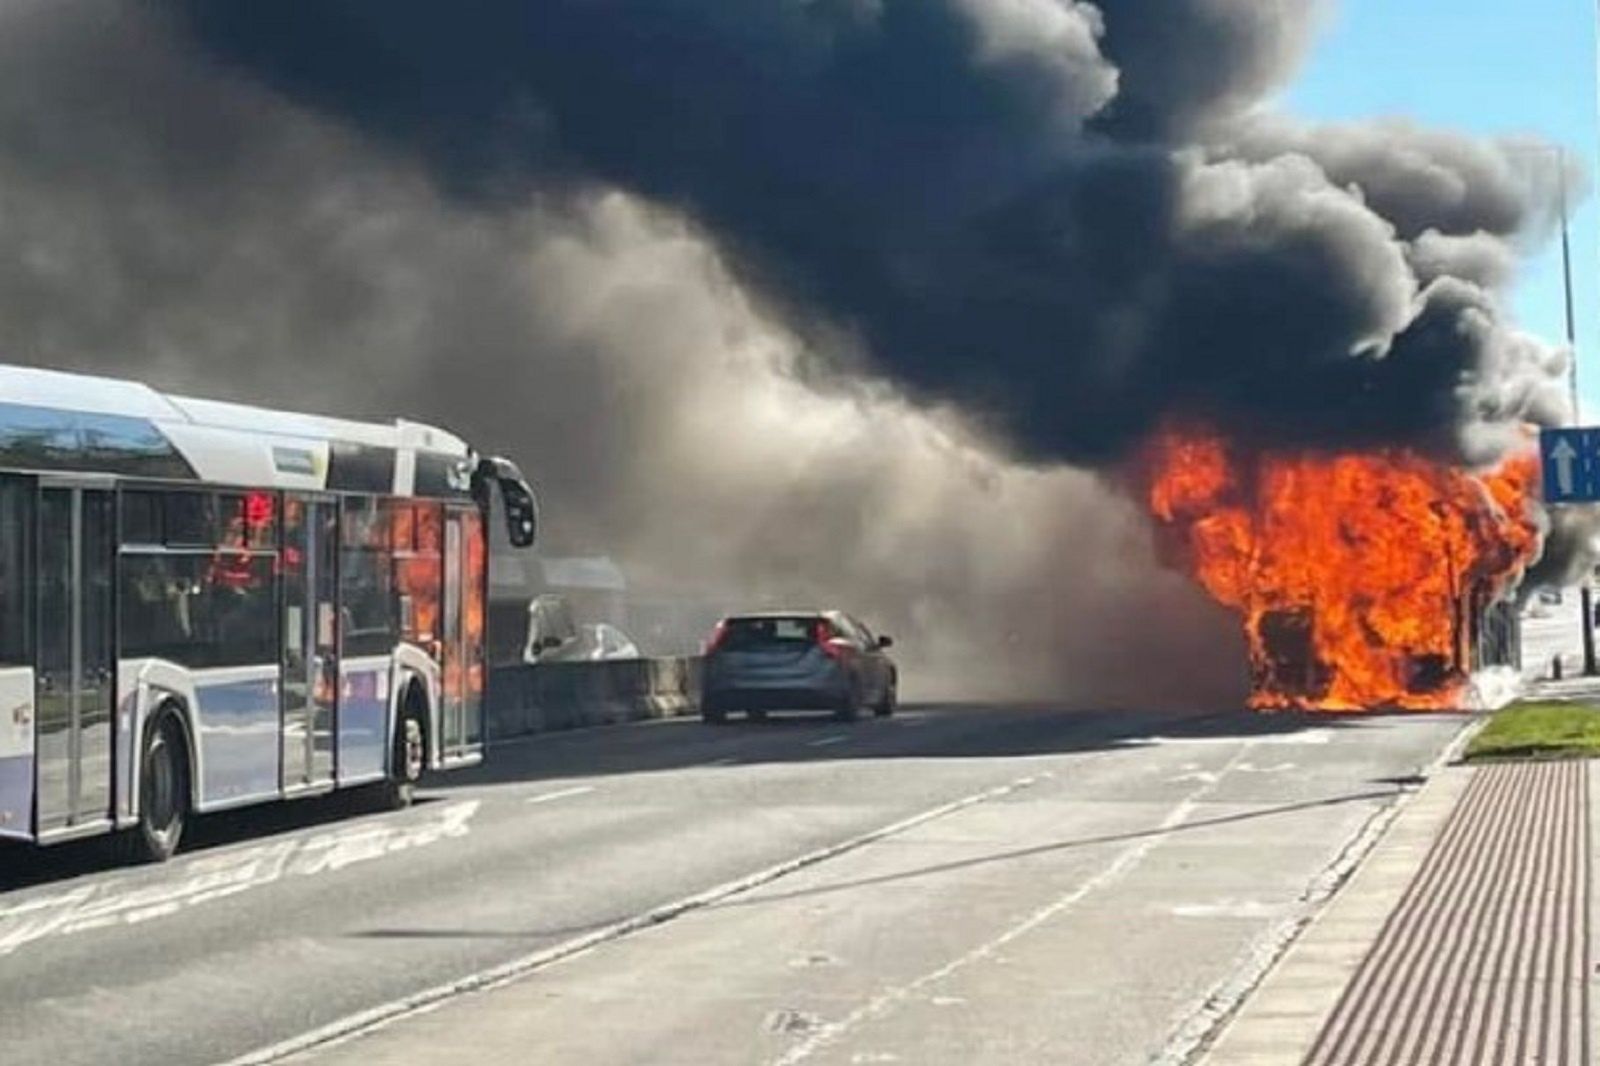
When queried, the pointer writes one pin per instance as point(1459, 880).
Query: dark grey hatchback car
point(797, 660)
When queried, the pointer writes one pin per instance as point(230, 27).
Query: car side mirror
point(885, 642)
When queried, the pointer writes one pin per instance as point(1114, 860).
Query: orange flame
point(1359, 576)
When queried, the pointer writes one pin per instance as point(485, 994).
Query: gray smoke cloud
point(1187, 67)
point(1424, 180)
point(812, 300)
point(167, 219)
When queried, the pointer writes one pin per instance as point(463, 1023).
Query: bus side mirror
point(522, 512)
point(522, 509)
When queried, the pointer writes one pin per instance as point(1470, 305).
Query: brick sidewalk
point(1487, 956)
point(1464, 938)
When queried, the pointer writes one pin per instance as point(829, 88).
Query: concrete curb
point(1594, 898)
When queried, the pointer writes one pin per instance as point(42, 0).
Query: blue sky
point(1488, 66)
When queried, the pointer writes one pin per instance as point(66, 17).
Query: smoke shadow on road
point(558, 933)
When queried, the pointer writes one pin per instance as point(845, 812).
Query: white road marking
point(1309, 736)
point(1277, 768)
point(825, 741)
point(1230, 908)
point(206, 878)
point(894, 996)
point(366, 1021)
point(566, 793)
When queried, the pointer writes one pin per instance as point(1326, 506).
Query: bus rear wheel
point(163, 792)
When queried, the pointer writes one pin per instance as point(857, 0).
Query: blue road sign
point(1571, 460)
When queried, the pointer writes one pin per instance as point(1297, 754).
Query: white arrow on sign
point(1563, 454)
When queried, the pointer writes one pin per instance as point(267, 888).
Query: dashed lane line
point(565, 793)
point(357, 1024)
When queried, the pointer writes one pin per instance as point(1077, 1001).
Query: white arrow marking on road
point(1564, 454)
point(134, 898)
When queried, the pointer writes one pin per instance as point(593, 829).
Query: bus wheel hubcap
point(413, 751)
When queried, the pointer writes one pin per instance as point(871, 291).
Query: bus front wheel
point(409, 757)
point(163, 792)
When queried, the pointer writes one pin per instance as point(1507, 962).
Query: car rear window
point(748, 634)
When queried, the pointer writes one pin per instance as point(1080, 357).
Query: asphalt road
point(1125, 866)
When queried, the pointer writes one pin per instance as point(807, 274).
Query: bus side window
point(130, 446)
point(368, 605)
point(141, 517)
point(161, 606)
point(191, 519)
point(37, 437)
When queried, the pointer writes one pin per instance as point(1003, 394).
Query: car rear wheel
point(891, 699)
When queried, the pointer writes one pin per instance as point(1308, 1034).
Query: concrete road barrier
point(540, 699)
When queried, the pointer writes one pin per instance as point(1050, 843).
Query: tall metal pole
point(1585, 591)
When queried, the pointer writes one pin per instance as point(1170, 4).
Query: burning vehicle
point(1362, 579)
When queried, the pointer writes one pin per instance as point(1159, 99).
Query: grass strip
point(1539, 729)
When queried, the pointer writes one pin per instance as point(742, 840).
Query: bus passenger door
point(310, 644)
point(75, 657)
point(17, 691)
point(465, 609)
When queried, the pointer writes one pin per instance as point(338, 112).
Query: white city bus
point(205, 605)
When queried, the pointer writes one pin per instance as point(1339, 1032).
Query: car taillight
point(718, 635)
point(829, 641)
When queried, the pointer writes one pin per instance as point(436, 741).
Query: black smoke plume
point(1064, 218)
